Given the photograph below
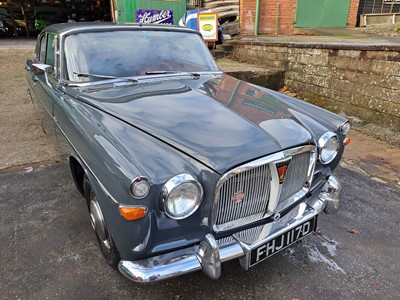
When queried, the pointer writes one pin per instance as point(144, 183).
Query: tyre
point(104, 238)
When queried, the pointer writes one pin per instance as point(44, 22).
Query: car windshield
point(129, 53)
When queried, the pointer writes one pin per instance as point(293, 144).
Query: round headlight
point(182, 195)
point(328, 147)
point(345, 127)
point(140, 187)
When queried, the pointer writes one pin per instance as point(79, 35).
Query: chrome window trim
point(142, 79)
point(272, 160)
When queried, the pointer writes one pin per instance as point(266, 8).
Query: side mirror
point(29, 64)
point(47, 69)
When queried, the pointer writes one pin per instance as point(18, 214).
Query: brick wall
point(353, 11)
point(269, 16)
point(358, 82)
point(247, 16)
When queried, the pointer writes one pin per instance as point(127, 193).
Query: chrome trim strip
point(142, 79)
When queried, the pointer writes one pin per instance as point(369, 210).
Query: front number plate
point(282, 241)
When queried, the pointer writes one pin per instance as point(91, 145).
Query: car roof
point(89, 26)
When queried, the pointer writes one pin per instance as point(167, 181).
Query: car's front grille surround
point(261, 191)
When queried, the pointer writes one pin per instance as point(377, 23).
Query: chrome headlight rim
point(175, 182)
point(139, 180)
point(323, 141)
point(345, 127)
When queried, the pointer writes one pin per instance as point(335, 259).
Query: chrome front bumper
point(208, 256)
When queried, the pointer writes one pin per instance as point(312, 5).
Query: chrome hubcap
point(97, 220)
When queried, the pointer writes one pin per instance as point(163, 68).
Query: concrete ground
point(50, 252)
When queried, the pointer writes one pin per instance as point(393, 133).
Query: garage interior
point(28, 17)
point(20, 18)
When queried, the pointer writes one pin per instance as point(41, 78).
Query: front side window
point(42, 50)
point(50, 49)
point(131, 53)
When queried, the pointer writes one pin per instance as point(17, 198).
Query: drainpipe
point(257, 14)
point(277, 18)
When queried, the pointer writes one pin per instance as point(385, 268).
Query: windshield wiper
point(195, 75)
point(104, 76)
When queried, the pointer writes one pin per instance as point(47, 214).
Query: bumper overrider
point(208, 256)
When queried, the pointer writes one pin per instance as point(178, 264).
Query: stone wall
point(356, 80)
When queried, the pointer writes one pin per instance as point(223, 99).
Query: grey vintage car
point(181, 166)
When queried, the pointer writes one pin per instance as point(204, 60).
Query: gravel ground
point(22, 140)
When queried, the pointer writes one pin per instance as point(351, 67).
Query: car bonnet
point(220, 121)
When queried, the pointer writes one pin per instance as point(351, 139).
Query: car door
point(44, 91)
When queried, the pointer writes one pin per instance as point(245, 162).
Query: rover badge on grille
point(238, 197)
point(282, 168)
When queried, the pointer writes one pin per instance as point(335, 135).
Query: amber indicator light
point(132, 213)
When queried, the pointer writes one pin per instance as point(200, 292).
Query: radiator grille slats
point(244, 197)
point(296, 175)
point(254, 184)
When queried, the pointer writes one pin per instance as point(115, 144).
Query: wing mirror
point(29, 65)
point(40, 69)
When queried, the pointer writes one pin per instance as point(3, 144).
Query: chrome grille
point(296, 175)
point(255, 184)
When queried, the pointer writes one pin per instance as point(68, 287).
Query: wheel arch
point(77, 173)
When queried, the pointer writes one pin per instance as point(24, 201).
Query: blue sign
point(154, 16)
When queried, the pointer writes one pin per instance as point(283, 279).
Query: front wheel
point(106, 243)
